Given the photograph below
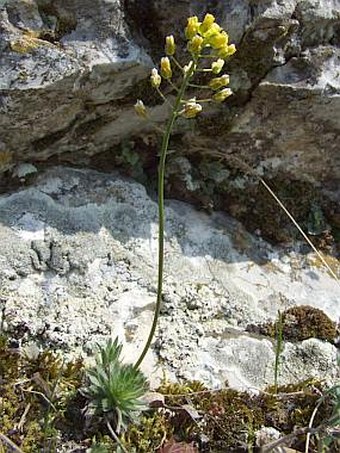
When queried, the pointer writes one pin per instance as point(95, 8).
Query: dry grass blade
point(247, 169)
point(282, 206)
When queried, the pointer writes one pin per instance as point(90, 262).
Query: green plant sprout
point(208, 48)
point(279, 347)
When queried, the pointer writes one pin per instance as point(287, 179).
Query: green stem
point(193, 85)
point(173, 86)
point(163, 97)
point(161, 212)
point(176, 63)
point(115, 437)
point(279, 348)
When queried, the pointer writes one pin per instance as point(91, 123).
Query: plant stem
point(161, 212)
point(279, 340)
point(205, 87)
point(176, 63)
point(115, 437)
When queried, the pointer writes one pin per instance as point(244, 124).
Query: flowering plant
point(208, 47)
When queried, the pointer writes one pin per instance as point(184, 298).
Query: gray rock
point(57, 61)
point(265, 435)
point(78, 265)
point(71, 72)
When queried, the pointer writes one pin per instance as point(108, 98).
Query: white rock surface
point(78, 264)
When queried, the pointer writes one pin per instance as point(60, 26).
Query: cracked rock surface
point(78, 264)
point(72, 70)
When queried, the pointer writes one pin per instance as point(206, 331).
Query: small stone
point(24, 170)
point(154, 399)
point(265, 435)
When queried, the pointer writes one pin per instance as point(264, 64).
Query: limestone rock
point(63, 65)
point(78, 264)
point(71, 72)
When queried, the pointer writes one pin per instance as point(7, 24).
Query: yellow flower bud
point(219, 82)
point(226, 51)
point(155, 78)
point(192, 27)
point(140, 109)
point(191, 109)
point(195, 45)
point(218, 40)
point(166, 71)
point(216, 66)
point(208, 20)
point(220, 96)
point(187, 67)
point(170, 46)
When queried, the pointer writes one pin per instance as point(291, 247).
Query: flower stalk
point(206, 39)
point(161, 210)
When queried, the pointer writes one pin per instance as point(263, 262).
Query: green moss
point(228, 418)
point(300, 323)
point(150, 432)
point(34, 395)
point(304, 322)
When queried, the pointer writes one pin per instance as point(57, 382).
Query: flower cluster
point(206, 41)
point(208, 34)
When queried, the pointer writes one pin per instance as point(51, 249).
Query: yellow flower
point(192, 27)
point(166, 71)
point(155, 78)
point(212, 30)
point(218, 40)
point(208, 20)
point(170, 46)
point(140, 109)
point(226, 51)
point(195, 45)
point(216, 66)
point(220, 96)
point(191, 109)
point(219, 82)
